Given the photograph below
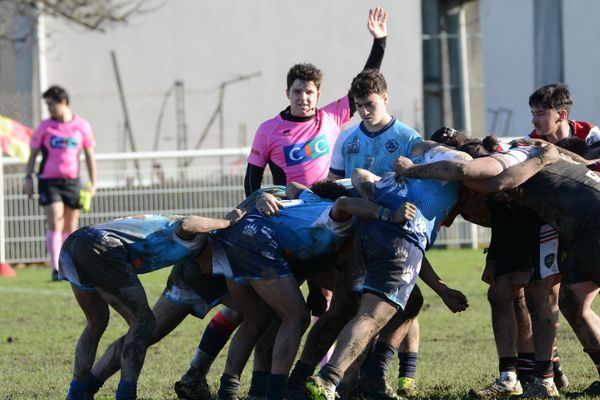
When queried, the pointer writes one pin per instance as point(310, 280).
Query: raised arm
point(377, 25)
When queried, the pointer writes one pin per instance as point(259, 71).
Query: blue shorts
point(95, 258)
point(248, 251)
point(391, 265)
point(189, 287)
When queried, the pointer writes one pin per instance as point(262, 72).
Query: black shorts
point(515, 242)
point(93, 258)
point(59, 190)
point(579, 260)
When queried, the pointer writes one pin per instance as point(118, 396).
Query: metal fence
point(129, 184)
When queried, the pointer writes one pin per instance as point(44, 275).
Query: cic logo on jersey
point(302, 152)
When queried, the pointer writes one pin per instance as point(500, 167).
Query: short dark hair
point(329, 189)
point(56, 93)
point(369, 81)
point(480, 148)
point(554, 96)
point(449, 136)
point(305, 72)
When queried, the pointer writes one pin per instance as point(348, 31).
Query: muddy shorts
point(392, 263)
point(579, 260)
point(95, 258)
point(189, 287)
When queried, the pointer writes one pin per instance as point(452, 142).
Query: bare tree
point(95, 15)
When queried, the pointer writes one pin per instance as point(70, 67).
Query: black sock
point(258, 384)
point(299, 374)
point(508, 364)
point(556, 362)
point(380, 360)
point(230, 386)
point(332, 374)
point(276, 387)
point(525, 366)
point(408, 365)
point(544, 369)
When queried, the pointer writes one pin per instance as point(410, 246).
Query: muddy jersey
point(300, 148)
point(302, 230)
point(375, 152)
point(434, 199)
point(151, 241)
point(565, 195)
point(60, 144)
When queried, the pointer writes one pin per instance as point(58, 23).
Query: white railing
point(204, 182)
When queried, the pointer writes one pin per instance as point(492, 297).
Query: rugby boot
point(540, 389)
point(190, 389)
point(376, 389)
point(319, 389)
point(593, 390)
point(407, 387)
point(560, 379)
point(497, 390)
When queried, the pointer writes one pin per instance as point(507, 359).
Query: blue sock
point(408, 365)
point(93, 384)
point(127, 390)
point(77, 391)
point(276, 387)
point(382, 356)
point(258, 384)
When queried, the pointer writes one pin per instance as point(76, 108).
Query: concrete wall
point(508, 59)
point(206, 42)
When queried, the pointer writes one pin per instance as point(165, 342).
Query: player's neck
point(379, 125)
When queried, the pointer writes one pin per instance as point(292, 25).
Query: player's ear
point(562, 115)
point(385, 98)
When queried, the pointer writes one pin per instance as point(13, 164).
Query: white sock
point(508, 376)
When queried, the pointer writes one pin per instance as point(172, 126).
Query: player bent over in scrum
point(255, 262)
point(102, 263)
point(391, 266)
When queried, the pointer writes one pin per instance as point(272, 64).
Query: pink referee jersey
point(301, 149)
point(60, 143)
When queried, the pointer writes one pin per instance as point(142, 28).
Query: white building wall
point(206, 42)
point(507, 45)
point(582, 57)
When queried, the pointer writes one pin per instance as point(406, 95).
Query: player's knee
point(145, 324)
point(569, 304)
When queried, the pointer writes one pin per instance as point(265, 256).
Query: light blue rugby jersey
point(152, 242)
point(376, 152)
point(304, 229)
point(434, 199)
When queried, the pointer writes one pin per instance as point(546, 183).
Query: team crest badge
point(354, 146)
point(391, 145)
point(549, 260)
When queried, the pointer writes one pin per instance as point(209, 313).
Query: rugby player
point(549, 191)
point(373, 144)
point(391, 265)
point(255, 262)
point(102, 263)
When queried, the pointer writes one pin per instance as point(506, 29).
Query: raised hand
point(377, 22)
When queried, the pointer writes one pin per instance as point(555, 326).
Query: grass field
point(40, 324)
